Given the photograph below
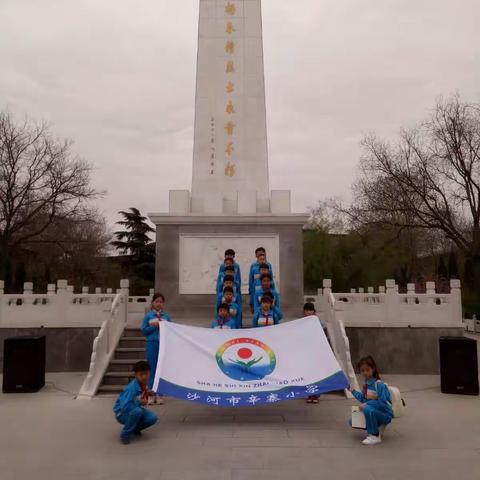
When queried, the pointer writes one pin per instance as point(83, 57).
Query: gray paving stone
point(49, 435)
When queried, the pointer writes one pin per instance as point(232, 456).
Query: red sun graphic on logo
point(244, 353)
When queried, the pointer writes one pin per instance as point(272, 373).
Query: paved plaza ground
point(51, 436)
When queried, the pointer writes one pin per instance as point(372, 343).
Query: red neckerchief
point(365, 390)
point(144, 392)
point(267, 318)
point(221, 321)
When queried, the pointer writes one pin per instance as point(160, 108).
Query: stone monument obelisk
point(230, 204)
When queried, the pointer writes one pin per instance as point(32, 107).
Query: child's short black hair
point(268, 294)
point(228, 278)
point(141, 366)
point(158, 295)
point(309, 306)
point(223, 306)
point(260, 249)
point(264, 266)
point(266, 299)
point(228, 290)
point(229, 251)
point(266, 275)
point(369, 361)
point(229, 268)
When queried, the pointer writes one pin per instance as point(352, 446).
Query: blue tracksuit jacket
point(151, 331)
point(237, 298)
point(258, 297)
point(128, 399)
point(254, 275)
point(153, 341)
point(237, 275)
point(377, 404)
point(229, 323)
point(261, 319)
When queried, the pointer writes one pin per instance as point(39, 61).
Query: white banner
point(246, 367)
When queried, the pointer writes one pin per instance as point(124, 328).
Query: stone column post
point(391, 301)
point(456, 314)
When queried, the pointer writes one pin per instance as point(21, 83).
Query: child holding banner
point(375, 400)
point(223, 319)
point(150, 329)
point(130, 408)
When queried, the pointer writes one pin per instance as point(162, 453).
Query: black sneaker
point(125, 440)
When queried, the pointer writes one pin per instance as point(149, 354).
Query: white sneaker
point(372, 440)
point(381, 430)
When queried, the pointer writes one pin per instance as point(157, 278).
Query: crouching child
point(130, 408)
point(375, 401)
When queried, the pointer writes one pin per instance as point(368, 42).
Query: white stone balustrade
point(389, 308)
point(60, 306)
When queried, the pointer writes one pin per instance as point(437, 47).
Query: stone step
point(133, 353)
point(117, 378)
point(132, 332)
point(123, 365)
point(109, 389)
point(128, 342)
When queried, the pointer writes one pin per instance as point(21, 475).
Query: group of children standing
point(129, 409)
point(264, 299)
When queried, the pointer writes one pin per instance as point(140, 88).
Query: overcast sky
point(118, 77)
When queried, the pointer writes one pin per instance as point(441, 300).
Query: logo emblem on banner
point(246, 359)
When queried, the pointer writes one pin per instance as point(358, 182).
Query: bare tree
point(430, 180)
point(41, 181)
point(327, 216)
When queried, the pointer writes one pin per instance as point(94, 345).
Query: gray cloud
point(119, 78)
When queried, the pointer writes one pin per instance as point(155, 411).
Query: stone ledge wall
point(400, 350)
point(68, 349)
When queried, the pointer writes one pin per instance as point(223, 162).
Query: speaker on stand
point(459, 365)
point(23, 364)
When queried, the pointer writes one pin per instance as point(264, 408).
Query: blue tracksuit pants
point(376, 414)
point(136, 420)
point(152, 358)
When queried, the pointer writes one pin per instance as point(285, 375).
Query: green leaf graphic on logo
point(246, 365)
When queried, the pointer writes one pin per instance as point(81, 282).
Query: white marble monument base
point(190, 249)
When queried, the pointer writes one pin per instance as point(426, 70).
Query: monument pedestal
point(190, 249)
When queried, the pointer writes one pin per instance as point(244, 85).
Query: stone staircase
point(130, 349)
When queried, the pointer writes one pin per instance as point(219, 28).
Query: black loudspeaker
point(23, 364)
point(459, 365)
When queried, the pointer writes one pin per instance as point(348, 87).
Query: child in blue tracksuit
point(130, 408)
point(234, 309)
point(229, 271)
point(223, 319)
point(266, 315)
point(263, 270)
point(375, 400)
point(228, 281)
point(254, 275)
point(150, 329)
point(230, 260)
point(266, 289)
